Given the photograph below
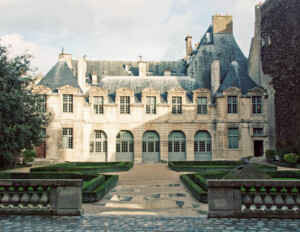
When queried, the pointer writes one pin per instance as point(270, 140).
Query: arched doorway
point(177, 148)
point(98, 146)
point(151, 147)
point(124, 147)
point(202, 146)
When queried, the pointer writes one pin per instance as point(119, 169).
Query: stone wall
point(280, 57)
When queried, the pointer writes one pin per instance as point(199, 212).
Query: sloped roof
point(236, 76)
point(59, 76)
point(161, 83)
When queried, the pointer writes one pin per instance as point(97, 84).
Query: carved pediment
point(257, 90)
point(95, 90)
point(150, 89)
point(124, 89)
point(177, 90)
point(232, 90)
point(40, 89)
point(68, 89)
point(202, 90)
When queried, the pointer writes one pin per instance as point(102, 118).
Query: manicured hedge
point(197, 183)
point(86, 167)
point(211, 166)
point(93, 189)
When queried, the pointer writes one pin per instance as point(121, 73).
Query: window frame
point(42, 103)
point(67, 138)
point(124, 104)
point(233, 138)
point(150, 105)
point(176, 105)
point(68, 103)
point(232, 105)
point(201, 107)
point(98, 106)
point(257, 107)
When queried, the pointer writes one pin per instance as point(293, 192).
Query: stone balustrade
point(41, 196)
point(254, 198)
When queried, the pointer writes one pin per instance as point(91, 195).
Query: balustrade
point(57, 197)
point(249, 198)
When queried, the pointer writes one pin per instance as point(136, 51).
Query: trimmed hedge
point(197, 183)
point(211, 166)
point(93, 189)
point(86, 167)
point(16, 166)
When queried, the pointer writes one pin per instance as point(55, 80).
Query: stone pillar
point(111, 149)
point(81, 72)
point(188, 46)
point(138, 151)
point(215, 76)
point(94, 78)
point(142, 68)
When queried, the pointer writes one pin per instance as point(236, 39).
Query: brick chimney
point(188, 46)
point(81, 67)
point(222, 24)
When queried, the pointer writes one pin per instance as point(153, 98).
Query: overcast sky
point(115, 29)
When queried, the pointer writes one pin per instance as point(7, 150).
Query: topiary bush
point(28, 156)
point(291, 158)
point(271, 154)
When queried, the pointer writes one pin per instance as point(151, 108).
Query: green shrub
point(5, 159)
point(28, 156)
point(271, 154)
point(291, 158)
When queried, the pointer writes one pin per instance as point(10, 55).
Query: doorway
point(258, 148)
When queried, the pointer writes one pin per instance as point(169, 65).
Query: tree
point(20, 122)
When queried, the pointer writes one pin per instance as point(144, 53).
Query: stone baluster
point(15, 198)
point(278, 200)
point(298, 199)
point(268, 201)
point(247, 200)
point(289, 201)
point(35, 197)
point(258, 202)
point(44, 200)
point(25, 197)
point(6, 197)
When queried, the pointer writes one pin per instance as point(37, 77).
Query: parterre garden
point(204, 170)
point(95, 185)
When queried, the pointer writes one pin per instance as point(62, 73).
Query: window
point(258, 131)
point(202, 105)
point(150, 105)
point(67, 103)
point(42, 103)
point(124, 105)
point(256, 105)
point(176, 105)
point(98, 105)
point(232, 105)
point(43, 132)
point(233, 138)
point(67, 138)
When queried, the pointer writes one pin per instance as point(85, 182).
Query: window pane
point(118, 148)
point(124, 146)
point(150, 146)
point(195, 146)
point(182, 146)
point(232, 105)
point(208, 147)
point(202, 105)
point(144, 147)
point(131, 147)
point(157, 146)
point(98, 146)
point(233, 138)
point(202, 146)
point(91, 147)
point(176, 146)
point(170, 146)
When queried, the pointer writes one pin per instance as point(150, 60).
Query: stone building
point(203, 107)
point(274, 62)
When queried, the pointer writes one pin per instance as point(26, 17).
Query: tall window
point(42, 103)
point(176, 105)
point(150, 105)
point(67, 139)
point(256, 105)
point(233, 138)
point(202, 105)
point(98, 105)
point(67, 103)
point(124, 105)
point(232, 105)
point(258, 131)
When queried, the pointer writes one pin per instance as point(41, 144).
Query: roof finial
point(140, 58)
point(62, 50)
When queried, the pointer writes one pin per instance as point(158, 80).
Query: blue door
point(177, 149)
point(98, 146)
point(202, 146)
point(151, 147)
point(124, 147)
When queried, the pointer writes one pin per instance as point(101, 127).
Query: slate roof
point(59, 76)
point(137, 84)
point(236, 76)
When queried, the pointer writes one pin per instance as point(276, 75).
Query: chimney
point(94, 78)
point(66, 57)
point(222, 24)
point(215, 76)
point(167, 72)
point(81, 67)
point(142, 68)
point(188, 46)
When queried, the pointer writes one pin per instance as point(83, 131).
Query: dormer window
point(67, 103)
point(124, 105)
point(257, 105)
point(202, 105)
point(176, 105)
point(150, 105)
point(98, 105)
point(42, 103)
point(232, 107)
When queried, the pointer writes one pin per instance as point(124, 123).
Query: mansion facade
point(203, 107)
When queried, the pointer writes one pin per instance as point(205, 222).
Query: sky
point(115, 29)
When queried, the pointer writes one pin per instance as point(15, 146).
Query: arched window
point(124, 146)
point(151, 147)
point(176, 146)
point(98, 146)
point(202, 146)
